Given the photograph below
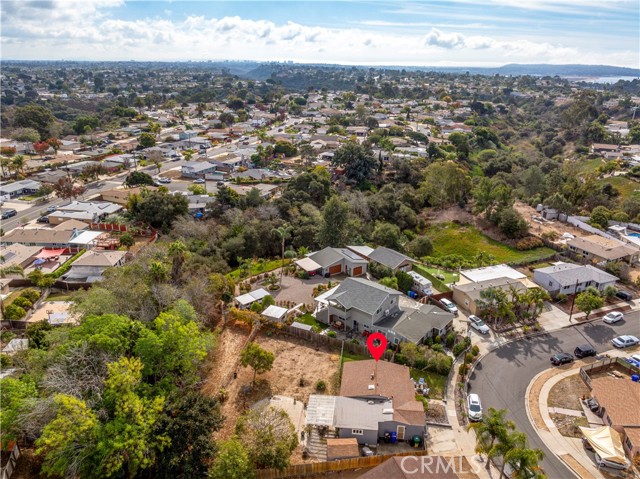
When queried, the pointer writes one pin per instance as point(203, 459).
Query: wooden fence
point(11, 464)
point(301, 470)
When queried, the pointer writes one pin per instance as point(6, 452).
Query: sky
point(425, 33)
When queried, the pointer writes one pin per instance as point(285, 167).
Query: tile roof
point(620, 398)
point(438, 468)
point(99, 258)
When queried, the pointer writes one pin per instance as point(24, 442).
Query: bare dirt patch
point(569, 425)
point(557, 227)
point(567, 393)
point(576, 466)
point(296, 370)
point(437, 412)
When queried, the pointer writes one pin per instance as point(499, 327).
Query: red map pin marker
point(377, 350)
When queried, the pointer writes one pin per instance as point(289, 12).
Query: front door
point(400, 432)
point(355, 326)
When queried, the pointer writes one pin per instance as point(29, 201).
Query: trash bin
point(394, 437)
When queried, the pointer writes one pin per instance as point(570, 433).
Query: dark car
point(584, 351)
point(593, 404)
point(43, 219)
point(8, 214)
point(561, 358)
point(624, 295)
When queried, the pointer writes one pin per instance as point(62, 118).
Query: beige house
point(603, 250)
point(467, 295)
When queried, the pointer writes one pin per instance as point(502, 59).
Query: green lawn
point(448, 277)
point(625, 186)
point(467, 241)
point(311, 321)
point(257, 268)
point(436, 382)
point(59, 297)
point(588, 166)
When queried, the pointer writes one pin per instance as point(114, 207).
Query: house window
point(627, 441)
point(357, 432)
point(396, 341)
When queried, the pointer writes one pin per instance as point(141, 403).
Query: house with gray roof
point(366, 307)
point(566, 278)
point(197, 169)
point(19, 188)
point(391, 259)
point(330, 261)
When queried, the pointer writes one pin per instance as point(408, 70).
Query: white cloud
point(94, 34)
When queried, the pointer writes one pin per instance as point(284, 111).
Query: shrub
point(5, 361)
point(463, 369)
point(7, 336)
point(31, 294)
point(332, 334)
point(438, 347)
point(475, 350)
point(321, 386)
point(451, 338)
point(468, 358)
point(22, 302)
point(460, 347)
point(439, 363)
point(528, 243)
point(13, 312)
point(256, 307)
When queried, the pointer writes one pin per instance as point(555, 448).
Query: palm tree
point(283, 233)
point(18, 164)
point(14, 269)
point(158, 272)
point(525, 463)
point(178, 252)
point(5, 164)
point(506, 444)
point(493, 426)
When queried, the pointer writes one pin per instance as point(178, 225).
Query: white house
point(566, 278)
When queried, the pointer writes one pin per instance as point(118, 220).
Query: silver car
point(625, 341)
point(613, 317)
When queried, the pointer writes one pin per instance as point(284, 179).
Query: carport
point(308, 265)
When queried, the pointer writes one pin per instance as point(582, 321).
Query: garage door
point(357, 271)
point(336, 269)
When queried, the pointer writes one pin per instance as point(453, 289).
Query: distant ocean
point(605, 80)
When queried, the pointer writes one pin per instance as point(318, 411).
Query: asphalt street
point(502, 376)
point(92, 189)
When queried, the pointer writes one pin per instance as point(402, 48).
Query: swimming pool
point(635, 235)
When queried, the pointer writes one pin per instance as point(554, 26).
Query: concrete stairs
point(316, 445)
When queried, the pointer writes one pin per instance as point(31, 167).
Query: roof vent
point(370, 402)
point(371, 387)
point(387, 411)
point(373, 375)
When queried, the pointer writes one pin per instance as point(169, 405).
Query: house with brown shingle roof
point(604, 250)
point(378, 398)
point(618, 400)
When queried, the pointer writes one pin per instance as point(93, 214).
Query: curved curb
point(528, 410)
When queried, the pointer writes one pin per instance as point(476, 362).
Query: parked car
point(199, 181)
point(474, 407)
point(624, 295)
point(561, 358)
point(625, 341)
point(51, 209)
point(164, 180)
point(613, 317)
point(584, 351)
point(592, 404)
point(449, 306)
point(478, 324)
point(8, 214)
point(613, 465)
point(43, 219)
point(366, 452)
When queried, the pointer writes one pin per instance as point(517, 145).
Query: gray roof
point(389, 257)
point(19, 186)
point(330, 256)
point(361, 294)
point(473, 290)
point(195, 166)
point(414, 324)
point(359, 414)
point(320, 410)
point(567, 274)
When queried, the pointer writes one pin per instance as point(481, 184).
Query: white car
point(613, 317)
point(625, 341)
point(164, 180)
point(478, 324)
point(613, 465)
point(474, 407)
point(199, 181)
point(51, 209)
point(449, 306)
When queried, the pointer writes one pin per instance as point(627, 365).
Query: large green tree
point(259, 359)
point(445, 183)
point(336, 219)
point(34, 116)
point(232, 462)
point(357, 160)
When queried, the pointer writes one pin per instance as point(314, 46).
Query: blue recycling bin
point(394, 437)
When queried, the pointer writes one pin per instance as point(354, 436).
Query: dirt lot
point(569, 425)
point(296, 363)
point(560, 228)
point(567, 393)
